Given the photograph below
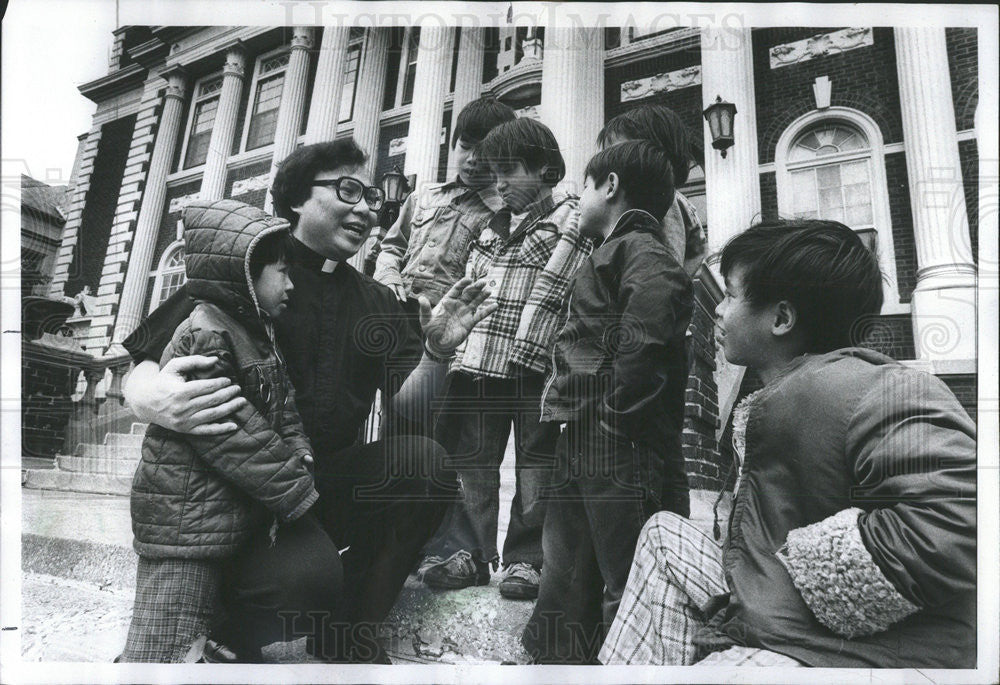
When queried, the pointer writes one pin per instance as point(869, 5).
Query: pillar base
point(944, 323)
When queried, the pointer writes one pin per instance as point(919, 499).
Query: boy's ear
point(612, 186)
point(785, 318)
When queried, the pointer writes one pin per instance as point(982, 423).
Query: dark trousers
point(379, 503)
point(603, 491)
point(473, 426)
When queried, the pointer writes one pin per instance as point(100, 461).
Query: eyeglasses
point(351, 190)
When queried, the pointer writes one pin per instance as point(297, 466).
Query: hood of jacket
point(219, 237)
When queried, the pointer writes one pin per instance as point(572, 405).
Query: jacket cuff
point(838, 578)
point(528, 355)
point(303, 506)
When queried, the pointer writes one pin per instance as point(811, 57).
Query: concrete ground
point(78, 586)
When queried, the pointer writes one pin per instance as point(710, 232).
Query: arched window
point(170, 276)
point(830, 165)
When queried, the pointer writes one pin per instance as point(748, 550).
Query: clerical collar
point(306, 257)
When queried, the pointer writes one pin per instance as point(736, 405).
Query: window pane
point(350, 80)
point(803, 191)
point(265, 112)
point(857, 195)
point(829, 198)
point(833, 214)
point(201, 132)
point(859, 216)
point(828, 176)
point(854, 172)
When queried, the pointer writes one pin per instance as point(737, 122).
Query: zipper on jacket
point(555, 371)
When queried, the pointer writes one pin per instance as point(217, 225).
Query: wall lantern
point(397, 188)
point(720, 117)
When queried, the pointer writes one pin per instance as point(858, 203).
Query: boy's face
point(472, 173)
point(518, 186)
point(272, 287)
point(593, 209)
point(742, 329)
point(330, 226)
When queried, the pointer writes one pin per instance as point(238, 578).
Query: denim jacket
point(426, 249)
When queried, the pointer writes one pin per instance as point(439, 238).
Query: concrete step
point(93, 451)
point(131, 440)
point(114, 466)
point(68, 481)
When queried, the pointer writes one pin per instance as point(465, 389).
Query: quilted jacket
point(202, 496)
point(852, 540)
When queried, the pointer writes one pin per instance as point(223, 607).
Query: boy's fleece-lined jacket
point(529, 274)
point(852, 540)
point(202, 496)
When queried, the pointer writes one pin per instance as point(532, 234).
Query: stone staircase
point(104, 469)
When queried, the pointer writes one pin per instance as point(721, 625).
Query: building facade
point(874, 127)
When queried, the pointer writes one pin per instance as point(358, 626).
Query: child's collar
point(628, 217)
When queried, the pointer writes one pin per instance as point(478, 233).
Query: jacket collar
point(533, 211)
point(633, 220)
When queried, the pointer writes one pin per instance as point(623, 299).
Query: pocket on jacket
point(460, 242)
point(262, 384)
point(538, 247)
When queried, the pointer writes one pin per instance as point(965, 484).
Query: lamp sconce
point(720, 115)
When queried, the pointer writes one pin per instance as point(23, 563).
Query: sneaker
point(427, 563)
point(457, 571)
point(520, 581)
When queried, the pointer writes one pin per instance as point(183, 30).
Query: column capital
point(236, 60)
point(177, 78)
point(302, 38)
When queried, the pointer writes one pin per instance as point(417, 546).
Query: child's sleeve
point(253, 457)
point(654, 297)
point(542, 315)
point(292, 431)
point(389, 264)
point(911, 541)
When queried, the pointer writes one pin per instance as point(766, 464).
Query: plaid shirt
point(529, 274)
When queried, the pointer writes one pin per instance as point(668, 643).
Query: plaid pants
point(175, 602)
point(676, 570)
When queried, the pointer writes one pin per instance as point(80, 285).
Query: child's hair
point(527, 141)
point(822, 267)
point(645, 173)
point(272, 248)
point(659, 124)
point(292, 182)
point(478, 118)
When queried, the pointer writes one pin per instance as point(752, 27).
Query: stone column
point(293, 100)
point(368, 104)
point(573, 95)
point(944, 301)
point(430, 86)
point(468, 77)
point(148, 221)
point(213, 180)
point(324, 108)
point(732, 185)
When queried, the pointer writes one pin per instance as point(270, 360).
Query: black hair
point(526, 141)
point(661, 125)
point(644, 171)
point(291, 185)
point(270, 249)
point(821, 267)
point(478, 118)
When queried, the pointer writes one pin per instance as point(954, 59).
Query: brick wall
point(902, 224)
point(253, 197)
point(701, 408)
point(101, 203)
point(891, 335)
point(769, 196)
point(45, 404)
point(863, 79)
point(963, 65)
point(968, 154)
point(686, 102)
